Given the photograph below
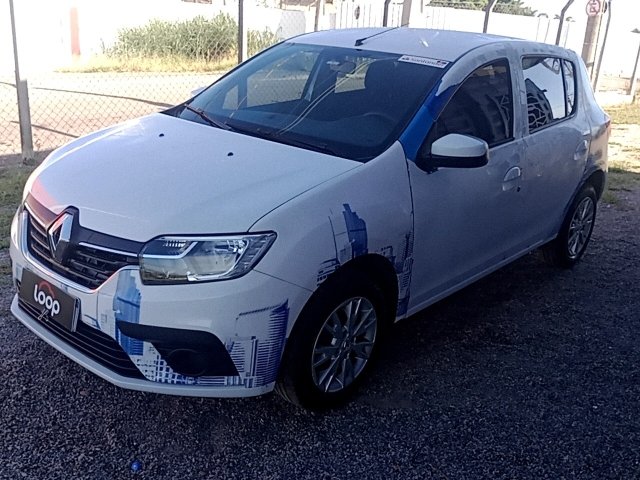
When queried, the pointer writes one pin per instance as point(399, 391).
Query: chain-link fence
point(9, 126)
point(91, 66)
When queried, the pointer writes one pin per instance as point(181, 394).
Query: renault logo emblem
point(60, 237)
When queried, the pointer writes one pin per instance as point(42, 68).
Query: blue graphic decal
point(403, 266)
point(270, 351)
point(352, 241)
point(126, 308)
point(257, 358)
point(357, 231)
point(349, 242)
point(415, 133)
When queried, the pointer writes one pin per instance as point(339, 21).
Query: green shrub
point(200, 39)
point(258, 41)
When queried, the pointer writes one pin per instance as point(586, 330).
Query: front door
point(468, 220)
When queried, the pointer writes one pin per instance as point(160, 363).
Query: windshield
point(351, 103)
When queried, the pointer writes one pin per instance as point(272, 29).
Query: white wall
point(42, 28)
point(44, 32)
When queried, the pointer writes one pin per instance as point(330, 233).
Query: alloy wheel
point(344, 344)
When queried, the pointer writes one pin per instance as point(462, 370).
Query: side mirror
point(455, 151)
point(197, 91)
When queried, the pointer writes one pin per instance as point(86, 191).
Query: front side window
point(482, 107)
point(549, 96)
point(347, 102)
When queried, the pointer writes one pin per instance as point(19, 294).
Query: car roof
point(446, 45)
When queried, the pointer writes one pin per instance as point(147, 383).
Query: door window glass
point(482, 107)
point(570, 85)
point(544, 81)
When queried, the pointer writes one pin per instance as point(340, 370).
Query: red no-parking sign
point(594, 7)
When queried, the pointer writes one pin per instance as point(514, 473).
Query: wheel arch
point(597, 180)
point(380, 270)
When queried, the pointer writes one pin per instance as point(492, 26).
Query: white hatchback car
point(265, 233)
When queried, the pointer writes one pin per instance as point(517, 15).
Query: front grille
point(86, 266)
point(92, 342)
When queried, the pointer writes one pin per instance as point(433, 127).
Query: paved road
point(530, 373)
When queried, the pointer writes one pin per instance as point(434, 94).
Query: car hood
point(162, 175)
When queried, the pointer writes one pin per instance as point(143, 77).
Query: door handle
point(511, 179)
point(582, 150)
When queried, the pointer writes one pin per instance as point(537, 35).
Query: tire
point(572, 240)
point(321, 337)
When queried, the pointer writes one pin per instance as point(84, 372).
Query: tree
point(514, 7)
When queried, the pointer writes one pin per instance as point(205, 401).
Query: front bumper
point(250, 316)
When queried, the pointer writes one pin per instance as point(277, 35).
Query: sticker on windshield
point(430, 62)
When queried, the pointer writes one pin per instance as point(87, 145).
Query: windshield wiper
point(207, 118)
point(316, 147)
point(277, 136)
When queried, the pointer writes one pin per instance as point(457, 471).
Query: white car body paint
point(161, 175)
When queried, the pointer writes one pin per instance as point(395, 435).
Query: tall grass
point(210, 40)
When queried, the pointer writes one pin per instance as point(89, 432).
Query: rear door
point(557, 141)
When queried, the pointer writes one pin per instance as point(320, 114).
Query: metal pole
point(604, 44)
point(563, 12)
point(406, 13)
point(591, 42)
point(385, 15)
point(634, 75)
point(242, 33)
point(487, 15)
point(316, 22)
point(566, 33)
point(22, 91)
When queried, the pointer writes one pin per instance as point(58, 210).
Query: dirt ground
point(531, 373)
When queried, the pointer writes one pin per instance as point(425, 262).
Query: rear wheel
point(333, 342)
point(572, 240)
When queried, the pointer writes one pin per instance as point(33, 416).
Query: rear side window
point(482, 107)
point(551, 90)
point(570, 86)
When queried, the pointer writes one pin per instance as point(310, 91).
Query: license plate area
point(54, 304)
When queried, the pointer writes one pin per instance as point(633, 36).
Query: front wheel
point(572, 240)
point(333, 342)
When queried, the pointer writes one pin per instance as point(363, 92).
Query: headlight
point(15, 226)
point(167, 260)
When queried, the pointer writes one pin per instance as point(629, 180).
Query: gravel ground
point(529, 373)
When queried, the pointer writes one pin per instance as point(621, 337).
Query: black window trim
point(564, 87)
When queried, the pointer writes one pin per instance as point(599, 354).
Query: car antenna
point(360, 41)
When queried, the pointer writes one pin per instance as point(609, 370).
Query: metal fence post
point(316, 21)
point(242, 33)
point(562, 15)
point(487, 15)
point(634, 75)
point(22, 91)
point(385, 15)
point(406, 13)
